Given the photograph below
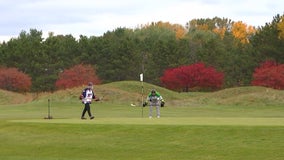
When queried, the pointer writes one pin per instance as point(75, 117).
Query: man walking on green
point(87, 96)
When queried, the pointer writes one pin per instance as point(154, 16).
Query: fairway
point(196, 127)
point(142, 138)
point(119, 132)
point(202, 121)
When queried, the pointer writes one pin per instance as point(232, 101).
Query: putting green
point(168, 121)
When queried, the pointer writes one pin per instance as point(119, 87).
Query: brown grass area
point(7, 97)
point(130, 91)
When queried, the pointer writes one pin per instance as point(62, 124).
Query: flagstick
point(142, 94)
point(141, 79)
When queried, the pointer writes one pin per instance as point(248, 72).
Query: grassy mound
point(126, 92)
point(244, 96)
point(7, 97)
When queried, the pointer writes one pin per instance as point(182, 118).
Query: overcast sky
point(95, 17)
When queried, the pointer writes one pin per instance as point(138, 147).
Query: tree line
point(232, 48)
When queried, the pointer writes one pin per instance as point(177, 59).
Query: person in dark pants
point(87, 96)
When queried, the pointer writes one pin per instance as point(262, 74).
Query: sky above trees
point(95, 17)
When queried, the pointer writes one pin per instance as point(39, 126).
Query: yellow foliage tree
point(180, 31)
point(220, 31)
point(280, 27)
point(242, 32)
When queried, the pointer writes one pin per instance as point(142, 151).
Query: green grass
point(91, 140)
point(232, 124)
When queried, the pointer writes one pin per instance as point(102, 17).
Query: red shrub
point(192, 76)
point(269, 74)
point(14, 80)
point(77, 76)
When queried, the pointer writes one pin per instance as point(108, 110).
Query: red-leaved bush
point(14, 80)
point(76, 76)
point(269, 74)
point(195, 76)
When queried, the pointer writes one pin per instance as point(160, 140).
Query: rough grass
point(7, 97)
point(245, 96)
point(123, 92)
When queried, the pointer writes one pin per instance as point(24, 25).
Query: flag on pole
point(141, 77)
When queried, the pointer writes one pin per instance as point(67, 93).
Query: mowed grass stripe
point(231, 121)
point(33, 141)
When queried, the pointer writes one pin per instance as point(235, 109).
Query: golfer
point(154, 99)
point(87, 96)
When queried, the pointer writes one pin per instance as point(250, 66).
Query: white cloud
point(95, 17)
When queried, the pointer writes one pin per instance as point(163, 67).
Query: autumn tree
point(242, 31)
point(123, 53)
point(26, 53)
point(269, 74)
point(14, 80)
point(179, 30)
point(280, 27)
point(76, 76)
point(192, 77)
point(221, 26)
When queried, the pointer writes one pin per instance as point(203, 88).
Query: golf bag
point(162, 103)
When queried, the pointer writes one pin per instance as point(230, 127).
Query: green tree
point(26, 53)
point(267, 42)
point(60, 53)
point(216, 24)
point(158, 45)
point(118, 60)
point(88, 49)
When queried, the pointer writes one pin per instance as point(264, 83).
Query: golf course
point(242, 123)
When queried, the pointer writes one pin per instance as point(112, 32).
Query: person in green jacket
point(155, 100)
